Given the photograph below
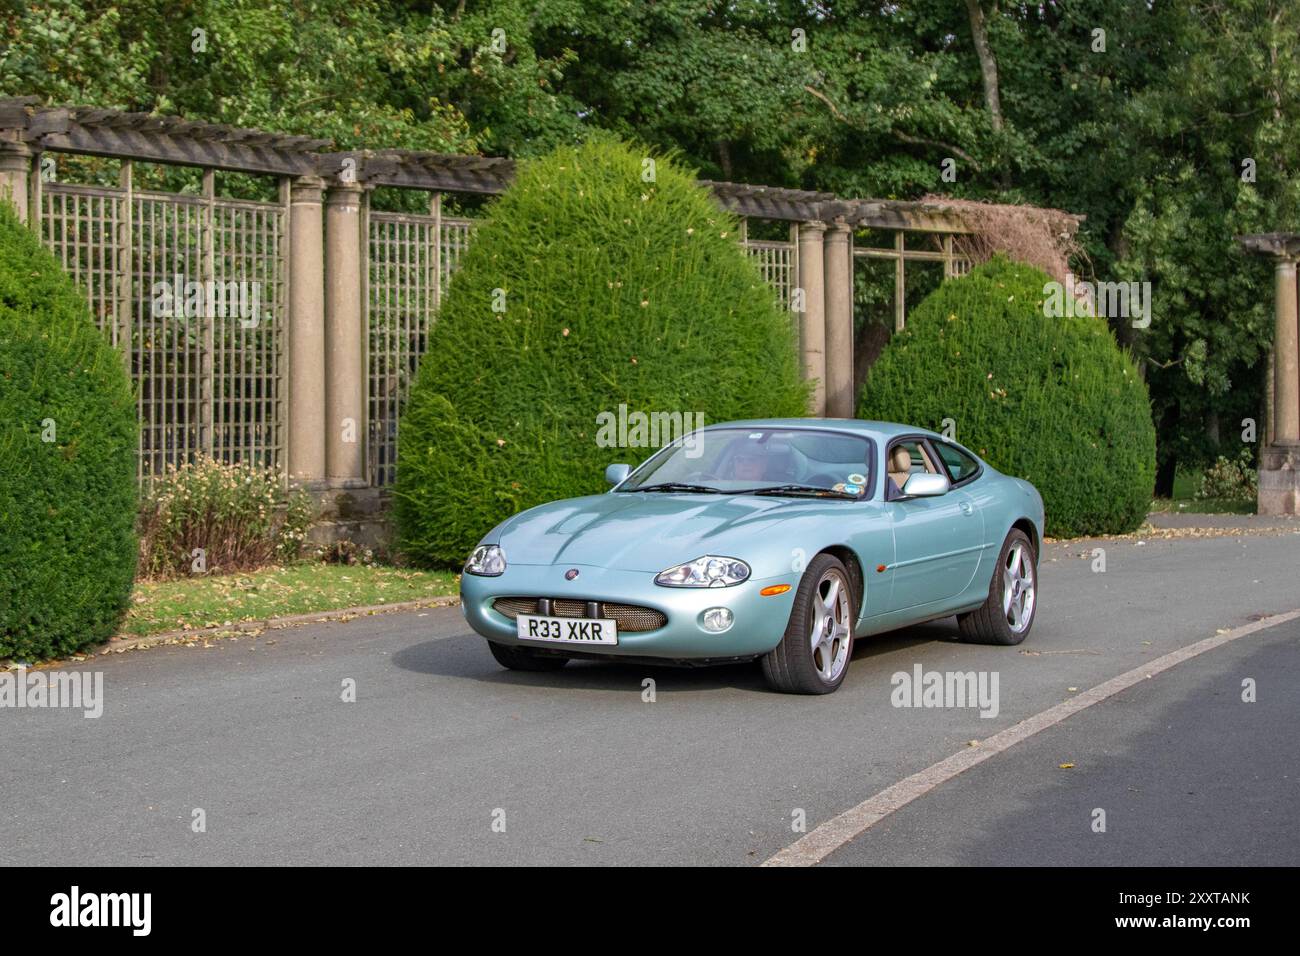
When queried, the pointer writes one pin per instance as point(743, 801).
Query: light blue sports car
point(780, 540)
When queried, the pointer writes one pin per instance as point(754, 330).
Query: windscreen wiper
point(798, 490)
point(678, 486)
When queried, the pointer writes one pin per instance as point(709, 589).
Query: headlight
point(488, 560)
point(706, 572)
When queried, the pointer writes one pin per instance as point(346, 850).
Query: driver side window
point(907, 457)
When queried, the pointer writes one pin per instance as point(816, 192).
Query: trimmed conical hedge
point(1051, 400)
point(585, 288)
point(67, 461)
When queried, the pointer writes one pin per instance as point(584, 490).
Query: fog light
point(716, 619)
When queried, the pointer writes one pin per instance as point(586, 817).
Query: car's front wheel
point(813, 655)
point(1008, 613)
point(525, 658)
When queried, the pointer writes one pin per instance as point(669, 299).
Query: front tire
point(1007, 614)
point(525, 658)
point(814, 653)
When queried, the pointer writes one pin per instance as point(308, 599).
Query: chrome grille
point(628, 617)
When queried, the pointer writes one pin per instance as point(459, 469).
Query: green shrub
point(1051, 400)
point(1230, 479)
point(67, 461)
point(237, 517)
point(615, 291)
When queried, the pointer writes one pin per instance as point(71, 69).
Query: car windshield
point(772, 461)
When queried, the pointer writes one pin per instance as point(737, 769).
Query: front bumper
point(759, 621)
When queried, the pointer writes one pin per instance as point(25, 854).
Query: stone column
point(15, 168)
point(345, 382)
point(812, 323)
point(1279, 459)
point(306, 333)
point(1286, 348)
point(839, 322)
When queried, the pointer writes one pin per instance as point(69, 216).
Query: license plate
point(566, 630)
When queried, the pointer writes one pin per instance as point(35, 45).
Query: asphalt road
point(1183, 771)
point(440, 742)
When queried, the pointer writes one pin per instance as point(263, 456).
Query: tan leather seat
point(900, 466)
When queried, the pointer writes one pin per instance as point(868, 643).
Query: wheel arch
point(1031, 532)
point(849, 558)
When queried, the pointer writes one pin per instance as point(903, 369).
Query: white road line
point(812, 848)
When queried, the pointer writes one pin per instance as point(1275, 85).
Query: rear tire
point(525, 658)
point(814, 653)
point(1007, 615)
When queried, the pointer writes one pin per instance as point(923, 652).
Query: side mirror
point(926, 486)
point(616, 473)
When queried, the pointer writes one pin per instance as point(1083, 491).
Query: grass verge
point(216, 600)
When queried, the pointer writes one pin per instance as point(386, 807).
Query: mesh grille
point(561, 608)
point(628, 617)
point(634, 617)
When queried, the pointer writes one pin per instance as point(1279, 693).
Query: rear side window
point(959, 464)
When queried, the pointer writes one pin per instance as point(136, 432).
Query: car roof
point(882, 431)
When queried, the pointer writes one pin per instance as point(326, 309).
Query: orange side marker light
point(774, 589)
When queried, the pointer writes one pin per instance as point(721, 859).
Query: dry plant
point(1039, 237)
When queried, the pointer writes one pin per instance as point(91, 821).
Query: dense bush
point(208, 517)
point(607, 290)
point(1232, 479)
point(1051, 400)
point(67, 461)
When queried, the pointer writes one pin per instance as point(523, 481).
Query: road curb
point(818, 844)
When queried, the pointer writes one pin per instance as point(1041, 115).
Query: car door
point(937, 541)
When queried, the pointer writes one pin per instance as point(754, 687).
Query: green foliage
point(67, 461)
point(1142, 128)
point(237, 515)
point(1218, 142)
point(1051, 400)
point(1230, 479)
point(614, 291)
point(361, 72)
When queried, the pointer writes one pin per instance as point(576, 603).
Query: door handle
point(967, 508)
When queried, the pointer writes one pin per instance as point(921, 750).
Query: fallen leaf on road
point(1067, 766)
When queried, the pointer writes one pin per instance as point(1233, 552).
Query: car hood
point(652, 531)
